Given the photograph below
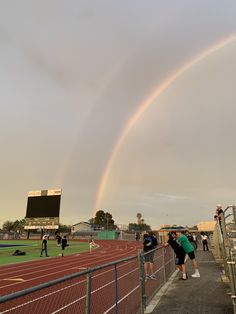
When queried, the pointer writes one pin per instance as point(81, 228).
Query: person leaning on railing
point(179, 253)
point(189, 249)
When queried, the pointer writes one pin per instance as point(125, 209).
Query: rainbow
point(147, 102)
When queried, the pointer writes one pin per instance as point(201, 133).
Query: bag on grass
point(18, 252)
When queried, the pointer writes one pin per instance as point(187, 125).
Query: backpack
point(18, 252)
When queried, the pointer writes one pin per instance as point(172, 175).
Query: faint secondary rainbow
point(147, 102)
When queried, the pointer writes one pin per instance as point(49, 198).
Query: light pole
point(107, 225)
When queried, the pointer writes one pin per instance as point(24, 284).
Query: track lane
point(107, 252)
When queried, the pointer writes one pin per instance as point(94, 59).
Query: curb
point(157, 297)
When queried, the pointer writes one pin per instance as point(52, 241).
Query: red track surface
point(64, 297)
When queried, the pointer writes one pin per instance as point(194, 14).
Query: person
point(58, 238)
point(217, 216)
point(63, 245)
point(137, 236)
point(148, 249)
point(189, 249)
point(179, 253)
point(195, 240)
point(190, 238)
point(205, 242)
point(153, 238)
point(91, 243)
point(44, 246)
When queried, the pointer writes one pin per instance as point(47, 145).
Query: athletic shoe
point(184, 277)
point(196, 275)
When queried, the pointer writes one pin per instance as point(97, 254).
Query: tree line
point(102, 220)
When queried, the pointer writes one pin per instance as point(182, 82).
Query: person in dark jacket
point(63, 245)
point(179, 253)
point(58, 238)
point(149, 244)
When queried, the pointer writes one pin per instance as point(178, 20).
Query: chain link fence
point(224, 241)
point(116, 287)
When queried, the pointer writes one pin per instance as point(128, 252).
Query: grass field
point(33, 249)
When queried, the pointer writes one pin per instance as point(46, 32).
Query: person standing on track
point(92, 244)
point(44, 246)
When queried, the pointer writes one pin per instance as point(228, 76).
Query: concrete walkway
point(207, 294)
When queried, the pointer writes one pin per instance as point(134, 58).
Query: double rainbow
point(147, 102)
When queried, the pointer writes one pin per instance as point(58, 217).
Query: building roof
point(172, 228)
point(82, 222)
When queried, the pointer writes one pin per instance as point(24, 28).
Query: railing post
point(164, 264)
point(142, 282)
point(116, 285)
point(234, 214)
point(231, 267)
point(88, 292)
point(225, 244)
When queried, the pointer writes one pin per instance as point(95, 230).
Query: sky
point(74, 75)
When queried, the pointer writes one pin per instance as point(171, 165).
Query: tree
point(8, 225)
point(104, 220)
point(138, 227)
point(17, 225)
point(139, 216)
point(64, 228)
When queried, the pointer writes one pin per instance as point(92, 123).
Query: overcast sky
point(73, 73)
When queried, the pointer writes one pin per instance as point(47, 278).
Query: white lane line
point(14, 279)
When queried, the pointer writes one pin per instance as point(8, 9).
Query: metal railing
point(116, 287)
point(225, 246)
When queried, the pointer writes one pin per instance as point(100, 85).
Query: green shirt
point(186, 245)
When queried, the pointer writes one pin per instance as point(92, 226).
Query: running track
point(70, 296)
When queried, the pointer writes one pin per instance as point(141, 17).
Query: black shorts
point(179, 259)
point(149, 257)
point(191, 255)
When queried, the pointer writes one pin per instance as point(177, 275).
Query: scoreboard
point(43, 209)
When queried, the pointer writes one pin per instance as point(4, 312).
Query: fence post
point(116, 285)
point(234, 214)
point(88, 292)
point(142, 281)
point(231, 267)
point(164, 264)
point(225, 244)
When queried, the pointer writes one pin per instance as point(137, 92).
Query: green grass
point(33, 251)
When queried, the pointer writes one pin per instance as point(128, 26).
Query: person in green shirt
point(189, 249)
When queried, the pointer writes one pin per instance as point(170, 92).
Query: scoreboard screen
point(43, 206)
